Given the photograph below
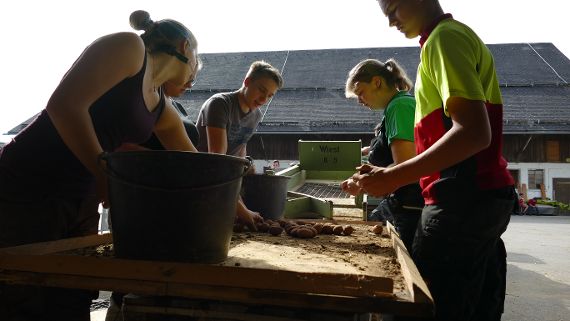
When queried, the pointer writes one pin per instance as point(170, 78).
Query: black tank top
point(38, 164)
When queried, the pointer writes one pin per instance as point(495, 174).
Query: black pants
point(23, 222)
point(459, 252)
point(405, 220)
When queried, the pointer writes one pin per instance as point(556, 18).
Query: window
point(535, 178)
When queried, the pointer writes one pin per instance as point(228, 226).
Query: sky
point(41, 39)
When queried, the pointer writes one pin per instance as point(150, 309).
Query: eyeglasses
point(192, 80)
point(173, 52)
point(180, 56)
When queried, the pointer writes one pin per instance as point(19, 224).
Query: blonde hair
point(365, 70)
point(259, 69)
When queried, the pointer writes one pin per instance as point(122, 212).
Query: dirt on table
point(361, 253)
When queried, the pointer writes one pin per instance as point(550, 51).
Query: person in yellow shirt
point(468, 191)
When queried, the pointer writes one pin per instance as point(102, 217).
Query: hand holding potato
point(250, 218)
point(375, 181)
point(350, 187)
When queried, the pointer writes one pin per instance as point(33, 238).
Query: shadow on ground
point(534, 297)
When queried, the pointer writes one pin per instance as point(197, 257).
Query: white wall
point(551, 170)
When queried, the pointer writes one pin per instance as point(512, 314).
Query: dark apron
point(403, 207)
point(381, 155)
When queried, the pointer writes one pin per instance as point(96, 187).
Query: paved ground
point(538, 281)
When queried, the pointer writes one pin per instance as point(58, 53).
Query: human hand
point(249, 219)
point(375, 181)
point(350, 187)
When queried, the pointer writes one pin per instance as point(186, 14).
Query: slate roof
point(534, 78)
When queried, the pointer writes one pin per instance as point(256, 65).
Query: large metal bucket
point(173, 206)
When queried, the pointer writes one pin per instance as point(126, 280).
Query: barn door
point(561, 190)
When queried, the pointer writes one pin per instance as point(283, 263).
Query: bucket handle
point(103, 157)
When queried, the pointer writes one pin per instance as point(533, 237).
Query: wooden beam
point(390, 305)
point(194, 274)
point(59, 245)
point(415, 284)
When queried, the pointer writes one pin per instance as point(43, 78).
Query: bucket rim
point(106, 155)
point(113, 175)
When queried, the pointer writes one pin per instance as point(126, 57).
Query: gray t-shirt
point(222, 111)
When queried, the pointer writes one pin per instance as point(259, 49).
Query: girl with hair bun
point(50, 182)
point(384, 85)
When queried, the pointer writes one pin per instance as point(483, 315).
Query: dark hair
point(161, 36)
point(365, 70)
point(261, 68)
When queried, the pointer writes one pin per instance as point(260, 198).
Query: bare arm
point(247, 216)
point(106, 62)
point(402, 150)
point(469, 134)
point(217, 140)
point(170, 130)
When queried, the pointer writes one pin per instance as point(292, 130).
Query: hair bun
point(140, 20)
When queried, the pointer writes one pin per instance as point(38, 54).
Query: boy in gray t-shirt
point(223, 111)
point(227, 121)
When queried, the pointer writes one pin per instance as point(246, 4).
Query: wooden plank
point(191, 274)
point(390, 305)
point(205, 281)
point(419, 291)
point(542, 192)
point(524, 191)
point(59, 245)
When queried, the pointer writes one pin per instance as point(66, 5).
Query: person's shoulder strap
point(180, 108)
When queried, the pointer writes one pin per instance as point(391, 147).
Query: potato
point(348, 230)
point(312, 228)
point(337, 229)
point(275, 230)
point(305, 232)
point(327, 229)
point(318, 227)
point(290, 227)
point(293, 231)
point(377, 229)
point(262, 227)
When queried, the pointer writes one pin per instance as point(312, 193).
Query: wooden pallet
point(44, 264)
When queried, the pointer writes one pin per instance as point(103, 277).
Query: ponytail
point(399, 78)
point(391, 71)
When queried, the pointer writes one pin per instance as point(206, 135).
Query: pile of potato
point(299, 229)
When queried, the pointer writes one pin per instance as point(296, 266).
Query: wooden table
point(46, 264)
